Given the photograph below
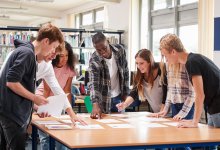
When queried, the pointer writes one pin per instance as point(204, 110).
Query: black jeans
point(12, 135)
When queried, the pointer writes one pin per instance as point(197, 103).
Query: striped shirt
point(180, 89)
point(99, 77)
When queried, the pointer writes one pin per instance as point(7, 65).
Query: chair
point(88, 104)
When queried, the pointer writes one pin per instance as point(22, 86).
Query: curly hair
point(72, 59)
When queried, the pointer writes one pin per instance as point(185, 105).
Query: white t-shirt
point(45, 71)
point(114, 76)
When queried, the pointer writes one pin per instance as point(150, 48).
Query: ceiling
point(26, 11)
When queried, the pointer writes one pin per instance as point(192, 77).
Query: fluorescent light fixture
point(42, 0)
point(13, 8)
point(4, 17)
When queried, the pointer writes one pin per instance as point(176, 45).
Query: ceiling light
point(42, 0)
point(13, 8)
point(4, 17)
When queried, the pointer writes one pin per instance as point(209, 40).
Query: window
point(183, 2)
point(87, 19)
point(161, 4)
point(157, 34)
point(99, 17)
point(189, 37)
point(77, 22)
point(170, 16)
point(90, 19)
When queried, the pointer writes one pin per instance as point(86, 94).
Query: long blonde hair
point(146, 55)
point(171, 41)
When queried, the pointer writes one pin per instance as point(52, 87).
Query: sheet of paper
point(66, 121)
point(62, 117)
point(54, 106)
point(120, 125)
point(119, 115)
point(108, 120)
point(152, 119)
point(84, 115)
point(58, 127)
point(171, 123)
point(129, 119)
point(153, 125)
point(47, 122)
point(176, 123)
point(90, 126)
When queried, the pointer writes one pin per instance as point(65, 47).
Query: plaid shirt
point(99, 77)
point(180, 90)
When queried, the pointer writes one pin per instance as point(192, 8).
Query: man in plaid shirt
point(108, 76)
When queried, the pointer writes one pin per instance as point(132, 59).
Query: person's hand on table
point(187, 124)
point(96, 112)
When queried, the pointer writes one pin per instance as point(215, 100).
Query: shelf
point(83, 48)
point(18, 28)
point(6, 45)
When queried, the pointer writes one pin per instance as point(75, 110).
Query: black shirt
point(20, 67)
point(200, 65)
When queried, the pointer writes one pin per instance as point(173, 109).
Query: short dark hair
point(98, 37)
point(72, 60)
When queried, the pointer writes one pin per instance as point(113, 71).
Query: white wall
point(217, 15)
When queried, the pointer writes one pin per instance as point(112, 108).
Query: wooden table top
point(139, 135)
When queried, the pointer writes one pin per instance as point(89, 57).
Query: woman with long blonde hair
point(147, 83)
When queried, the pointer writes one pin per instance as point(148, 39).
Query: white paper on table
point(108, 120)
point(54, 106)
point(47, 122)
point(58, 127)
point(120, 125)
point(171, 123)
point(129, 119)
point(62, 117)
point(153, 125)
point(176, 123)
point(152, 119)
point(118, 115)
point(91, 126)
point(84, 115)
point(67, 121)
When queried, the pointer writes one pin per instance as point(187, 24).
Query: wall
point(117, 18)
point(217, 33)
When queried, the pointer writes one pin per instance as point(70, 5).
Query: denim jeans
point(44, 142)
point(178, 106)
point(114, 102)
point(214, 121)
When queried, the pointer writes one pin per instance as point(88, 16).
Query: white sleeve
point(52, 82)
point(66, 104)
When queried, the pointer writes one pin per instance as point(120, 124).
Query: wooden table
point(139, 136)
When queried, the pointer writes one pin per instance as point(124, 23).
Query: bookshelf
point(80, 40)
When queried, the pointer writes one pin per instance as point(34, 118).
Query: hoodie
point(19, 67)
